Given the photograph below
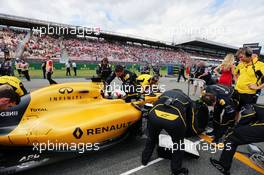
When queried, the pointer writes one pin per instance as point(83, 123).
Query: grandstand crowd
point(36, 47)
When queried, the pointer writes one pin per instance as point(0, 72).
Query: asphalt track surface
point(125, 156)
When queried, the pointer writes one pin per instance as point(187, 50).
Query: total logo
point(38, 109)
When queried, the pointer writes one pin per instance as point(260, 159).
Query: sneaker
point(219, 166)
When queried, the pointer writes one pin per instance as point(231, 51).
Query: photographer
point(104, 69)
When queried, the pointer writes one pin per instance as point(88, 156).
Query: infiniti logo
point(65, 90)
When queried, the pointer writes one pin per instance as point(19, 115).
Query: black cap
point(119, 68)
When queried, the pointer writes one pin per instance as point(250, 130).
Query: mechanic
point(181, 117)
point(148, 83)
point(224, 111)
point(250, 77)
point(249, 130)
point(129, 83)
point(145, 69)
point(104, 69)
point(156, 69)
point(8, 97)
point(15, 83)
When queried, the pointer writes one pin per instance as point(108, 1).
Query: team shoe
point(182, 171)
point(219, 166)
point(144, 162)
point(210, 133)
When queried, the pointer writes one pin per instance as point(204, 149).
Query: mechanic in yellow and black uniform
point(15, 83)
point(148, 83)
point(250, 129)
point(180, 117)
point(249, 74)
point(224, 110)
point(129, 83)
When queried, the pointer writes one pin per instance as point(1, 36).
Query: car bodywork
point(64, 113)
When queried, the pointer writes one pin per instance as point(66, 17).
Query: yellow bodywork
point(72, 112)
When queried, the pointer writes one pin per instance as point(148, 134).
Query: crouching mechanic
point(250, 129)
point(129, 83)
point(224, 110)
point(181, 117)
point(15, 83)
point(149, 84)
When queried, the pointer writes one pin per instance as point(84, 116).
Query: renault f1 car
point(64, 113)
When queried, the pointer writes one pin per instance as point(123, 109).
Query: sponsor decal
point(29, 157)
point(65, 90)
point(31, 163)
point(38, 109)
point(64, 98)
point(166, 115)
point(9, 114)
point(78, 132)
point(110, 128)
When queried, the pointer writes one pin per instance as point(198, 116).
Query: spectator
point(227, 70)
point(74, 66)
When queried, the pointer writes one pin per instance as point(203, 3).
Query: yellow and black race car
point(66, 114)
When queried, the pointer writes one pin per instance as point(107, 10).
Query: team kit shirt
point(247, 76)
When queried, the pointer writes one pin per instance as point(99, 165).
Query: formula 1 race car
point(69, 116)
